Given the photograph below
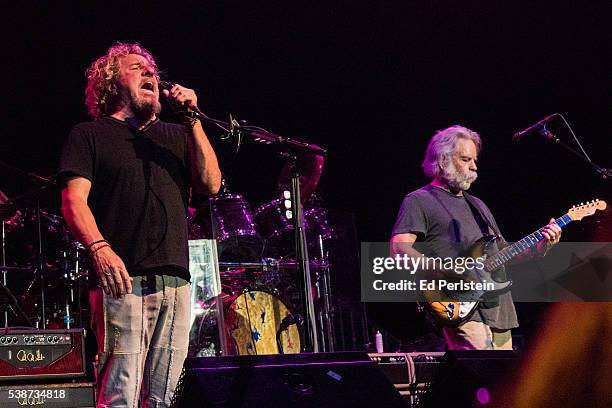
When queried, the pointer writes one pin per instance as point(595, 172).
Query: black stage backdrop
point(369, 81)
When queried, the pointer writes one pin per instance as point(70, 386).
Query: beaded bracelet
point(96, 242)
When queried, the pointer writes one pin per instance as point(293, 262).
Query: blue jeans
point(142, 341)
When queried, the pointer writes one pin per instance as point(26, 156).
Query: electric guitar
point(451, 308)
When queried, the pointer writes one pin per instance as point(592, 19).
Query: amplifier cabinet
point(411, 373)
point(41, 354)
point(73, 395)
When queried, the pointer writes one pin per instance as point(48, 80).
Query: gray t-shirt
point(445, 224)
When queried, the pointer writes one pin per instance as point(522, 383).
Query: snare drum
point(252, 320)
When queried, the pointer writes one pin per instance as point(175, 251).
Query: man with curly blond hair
point(125, 180)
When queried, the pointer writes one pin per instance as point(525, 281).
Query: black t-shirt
point(140, 189)
point(446, 226)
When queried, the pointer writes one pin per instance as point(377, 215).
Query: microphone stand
point(605, 174)
point(303, 264)
point(288, 148)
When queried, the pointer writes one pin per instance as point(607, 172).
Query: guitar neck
point(502, 257)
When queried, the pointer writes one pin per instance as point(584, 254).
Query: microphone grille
point(165, 85)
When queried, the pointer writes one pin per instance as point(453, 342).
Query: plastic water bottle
point(379, 342)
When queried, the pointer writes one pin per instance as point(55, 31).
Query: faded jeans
point(142, 341)
point(473, 335)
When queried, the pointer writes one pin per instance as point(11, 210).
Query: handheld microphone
point(188, 106)
point(165, 85)
point(535, 128)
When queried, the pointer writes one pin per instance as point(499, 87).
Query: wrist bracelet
point(190, 122)
point(99, 248)
point(96, 242)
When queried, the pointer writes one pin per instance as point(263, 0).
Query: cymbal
point(26, 189)
point(309, 167)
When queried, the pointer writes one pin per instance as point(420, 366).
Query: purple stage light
point(483, 396)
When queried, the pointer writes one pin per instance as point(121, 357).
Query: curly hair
point(102, 76)
point(442, 145)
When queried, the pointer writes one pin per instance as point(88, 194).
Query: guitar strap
point(482, 221)
point(484, 224)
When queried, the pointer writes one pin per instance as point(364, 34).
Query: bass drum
point(252, 320)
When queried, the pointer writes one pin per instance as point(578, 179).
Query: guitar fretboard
point(511, 251)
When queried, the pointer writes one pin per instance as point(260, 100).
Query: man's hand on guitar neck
point(552, 236)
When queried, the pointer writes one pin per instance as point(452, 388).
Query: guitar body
point(454, 308)
point(452, 312)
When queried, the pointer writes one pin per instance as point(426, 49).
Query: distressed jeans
point(142, 341)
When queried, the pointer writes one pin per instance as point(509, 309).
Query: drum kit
point(43, 270)
point(262, 308)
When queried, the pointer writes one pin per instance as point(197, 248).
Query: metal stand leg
point(311, 343)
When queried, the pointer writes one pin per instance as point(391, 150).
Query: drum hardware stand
point(41, 266)
point(288, 148)
point(46, 183)
point(73, 276)
point(326, 315)
point(8, 303)
point(3, 270)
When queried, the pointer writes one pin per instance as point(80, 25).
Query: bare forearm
point(81, 221)
point(206, 176)
point(426, 269)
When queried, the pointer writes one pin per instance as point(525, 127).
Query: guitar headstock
point(578, 212)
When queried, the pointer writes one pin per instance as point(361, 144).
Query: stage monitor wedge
point(318, 380)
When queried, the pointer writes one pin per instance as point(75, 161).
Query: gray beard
point(455, 181)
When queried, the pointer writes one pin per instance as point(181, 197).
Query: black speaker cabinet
point(317, 380)
point(471, 378)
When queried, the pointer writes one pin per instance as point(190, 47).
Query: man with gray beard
point(446, 221)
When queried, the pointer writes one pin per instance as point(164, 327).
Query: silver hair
point(442, 146)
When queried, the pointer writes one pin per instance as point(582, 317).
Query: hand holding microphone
point(180, 97)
